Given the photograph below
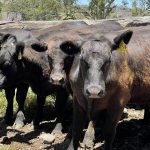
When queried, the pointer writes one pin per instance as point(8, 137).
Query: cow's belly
point(141, 94)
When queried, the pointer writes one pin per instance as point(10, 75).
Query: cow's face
point(95, 61)
point(95, 58)
point(7, 56)
point(11, 57)
point(60, 59)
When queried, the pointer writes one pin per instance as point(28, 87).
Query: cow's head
point(7, 55)
point(11, 53)
point(61, 55)
point(95, 60)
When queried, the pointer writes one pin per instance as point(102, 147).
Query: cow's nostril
point(52, 80)
point(57, 80)
point(61, 80)
point(87, 91)
point(101, 93)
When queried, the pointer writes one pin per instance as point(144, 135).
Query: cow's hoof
point(99, 145)
point(47, 138)
point(18, 125)
point(57, 129)
point(19, 122)
point(70, 146)
point(89, 137)
point(88, 144)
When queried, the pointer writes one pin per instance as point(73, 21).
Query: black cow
point(29, 60)
point(7, 69)
point(33, 69)
point(90, 72)
point(61, 50)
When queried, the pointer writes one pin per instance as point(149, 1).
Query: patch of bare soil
point(132, 134)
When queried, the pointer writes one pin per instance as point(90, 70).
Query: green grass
point(29, 102)
point(2, 103)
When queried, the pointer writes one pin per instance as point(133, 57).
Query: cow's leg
point(113, 116)
point(79, 118)
point(110, 128)
point(21, 94)
point(10, 93)
point(114, 111)
point(60, 105)
point(40, 104)
point(147, 113)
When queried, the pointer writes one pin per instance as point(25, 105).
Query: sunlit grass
point(30, 102)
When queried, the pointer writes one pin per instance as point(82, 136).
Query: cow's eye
point(109, 59)
point(105, 65)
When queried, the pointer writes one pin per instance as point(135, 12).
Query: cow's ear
point(5, 37)
point(9, 38)
point(39, 46)
point(121, 41)
point(70, 47)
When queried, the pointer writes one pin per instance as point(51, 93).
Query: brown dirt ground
point(132, 134)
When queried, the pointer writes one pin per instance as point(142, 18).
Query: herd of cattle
point(103, 66)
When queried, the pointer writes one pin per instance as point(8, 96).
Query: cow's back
point(60, 28)
point(94, 30)
point(21, 34)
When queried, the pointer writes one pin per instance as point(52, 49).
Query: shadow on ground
point(132, 133)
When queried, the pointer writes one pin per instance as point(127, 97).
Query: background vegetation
point(71, 9)
point(30, 102)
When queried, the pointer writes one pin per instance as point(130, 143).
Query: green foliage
point(30, 102)
point(134, 12)
point(148, 4)
point(134, 8)
point(2, 103)
point(58, 9)
point(125, 3)
point(70, 9)
point(43, 9)
point(113, 15)
point(1, 5)
point(140, 7)
point(34, 9)
point(100, 9)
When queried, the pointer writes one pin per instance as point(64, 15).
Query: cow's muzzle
point(95, 91)
point(57, 79)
